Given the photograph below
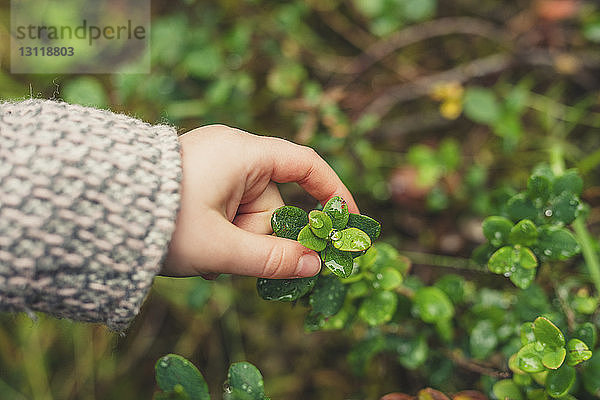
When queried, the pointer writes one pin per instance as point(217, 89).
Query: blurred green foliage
point(434, 113)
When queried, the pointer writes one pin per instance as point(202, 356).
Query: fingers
point(295, 163)
point(237, 251)
point(256, 215)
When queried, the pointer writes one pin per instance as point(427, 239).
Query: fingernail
point(308, 265)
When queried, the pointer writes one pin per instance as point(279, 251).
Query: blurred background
point(433, 112)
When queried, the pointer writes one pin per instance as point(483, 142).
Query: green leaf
point(378, 308)
point(432, 304)
point(523, 233)
point(174, 370)
point(556, 243)
point(480, 105)
point(527, 335)
point(547, 333)
point(507, 389)
point(553, 358)
point(591, 375)
point(501, 262)
point(339, 262)
point(521, 207)
point(563, 208)
point(284, 289)
point(351, 239)
point(560, 381)
point(328, 295)
point(287, 221)
point(539, 188)
point(412, 352)
point(337, 209)
point(483, 339)
point(365, 224)
point(244, 382)
point(530, 360)
point(308, 239)
point(387, 278)
point(570, 182)
point(522, 277)
point(454, 287)
point(320, 223)
point(577, 352)
point(178, 393)
point(587, 333)
point(496, 230)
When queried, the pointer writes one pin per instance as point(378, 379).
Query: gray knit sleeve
point(88, 201)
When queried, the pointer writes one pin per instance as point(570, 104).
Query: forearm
point(88, 201)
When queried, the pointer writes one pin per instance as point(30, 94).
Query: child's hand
point(228, 195)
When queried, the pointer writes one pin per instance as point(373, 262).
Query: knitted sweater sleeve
point(88, 201)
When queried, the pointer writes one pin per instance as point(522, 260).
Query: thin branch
point(443, 261)
point(423, 86)
point(459, 359)
point(421, 32)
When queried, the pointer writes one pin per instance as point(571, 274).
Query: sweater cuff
point(89, 203)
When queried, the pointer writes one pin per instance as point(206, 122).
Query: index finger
point(301, 164)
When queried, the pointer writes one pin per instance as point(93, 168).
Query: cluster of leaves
point(532, 229)
point(179, 379)
point(547, 359)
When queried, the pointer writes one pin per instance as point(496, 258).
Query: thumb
point(252, 254)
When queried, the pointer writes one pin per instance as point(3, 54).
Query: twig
point(423, 86)
point(459, 359)
point(424, 31)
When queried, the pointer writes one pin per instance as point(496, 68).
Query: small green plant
point(546, 359)
point(532, 228)
point(179, 379)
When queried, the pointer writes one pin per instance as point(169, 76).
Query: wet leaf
point(527, 335)
point(501, 262)
point(560, 381)
point(563, 208)
point(539, 188)
point(587, 333)
point(284, 289)
point(365, 224)
point(454, 287)
point(553, 358)
point(530, 360)
point(337, 209)
point(547, 333)
point(328, 295)
point(570, 182)
point(308, 239)
point(433, 305)
point(521, 207)
point(522, 278)
point(556, 243)
point(173, 370)
point(339, 262)
point(287, 221)
point(523, 233)
point(412, 352)
point(378, 308)
point(351, 239)
point(320, 223)
point(497, 230)
point(577, 352)
point(244, 382)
